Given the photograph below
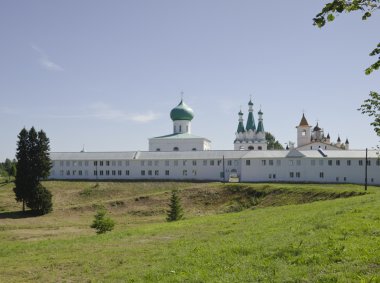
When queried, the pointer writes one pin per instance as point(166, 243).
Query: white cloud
point(144, 118)
point(45, 61)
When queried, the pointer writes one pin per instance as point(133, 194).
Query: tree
point(272, 142)
point(33, 165)
point(175, 211)
point(371, 106)
point(101, 223)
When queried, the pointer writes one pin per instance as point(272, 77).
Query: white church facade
point(184, 156)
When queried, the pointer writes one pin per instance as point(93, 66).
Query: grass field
point(232, 233)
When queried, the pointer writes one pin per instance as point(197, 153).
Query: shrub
point(101, 223)
point(40, 200)
point(175, 211)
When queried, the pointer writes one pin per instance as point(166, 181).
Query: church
point(181, 156)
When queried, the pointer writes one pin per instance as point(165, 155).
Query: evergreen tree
point(175, 211)
point(101, 223)
point(22, 176)
point(33, 165)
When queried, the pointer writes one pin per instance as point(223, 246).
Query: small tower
point(250, 121)
point(346, 145)
point(338, 142)
point(328, 138)
point(260, 127)
point(303, 132)
point(182, 116)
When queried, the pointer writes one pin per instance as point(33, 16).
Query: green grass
point(324, 233)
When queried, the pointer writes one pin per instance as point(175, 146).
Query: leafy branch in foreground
point(371, 107)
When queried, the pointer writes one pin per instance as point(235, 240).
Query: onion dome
point(182, 112)
point(250, 103)
point(338, 140)
point(316, 128)
point(328, 135)
point(346, 141)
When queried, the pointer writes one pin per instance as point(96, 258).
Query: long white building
point(182, 156)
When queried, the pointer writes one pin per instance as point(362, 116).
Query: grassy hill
point(232, 233)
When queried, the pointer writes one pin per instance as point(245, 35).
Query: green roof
point(182, 112)
point(250, 122)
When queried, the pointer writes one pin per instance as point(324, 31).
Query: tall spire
point(240, 128)
point(250, 120)
point(303, 121)
point(260, 125)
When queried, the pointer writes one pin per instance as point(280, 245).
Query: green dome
point(182, 112)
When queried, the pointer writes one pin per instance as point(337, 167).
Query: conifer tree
point(175, 211)
point(33, 165)
point(101, 223)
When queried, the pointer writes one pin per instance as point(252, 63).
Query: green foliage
point(175, 211)
point(40, 201)
point(33, 165)
point(367, 7)
point(101, 223)
point(371, 107)
point(272, 142)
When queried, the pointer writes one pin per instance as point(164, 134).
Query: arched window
point(259, 148)
point(180, 128)
point(251, 147)
point(194, 149)
point(175, 149)
point(303, 133)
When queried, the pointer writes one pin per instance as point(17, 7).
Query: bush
point(40, 200)
point(101, 223)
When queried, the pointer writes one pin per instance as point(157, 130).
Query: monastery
point(184, 156)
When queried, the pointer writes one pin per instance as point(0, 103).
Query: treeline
point(8, 168)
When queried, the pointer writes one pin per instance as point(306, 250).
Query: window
point(156, 172)
point(113, 163)
point(167, 163)
point(291, 162)
point(337, 162)
point(68, 172)
point(184, 172)
point(86, 163)
point(263, 162)
point(184, 162)
point(212, 162)
point(101, 173)
point(150, 163)
point(142, 172)
point(270, 176)
point(378, 162)
point(259, 147)
point(95, 163)
point(194, 172)
point(345, 179)
point(142, 162)
point(298, 162)
point(278, 162)
point(61, 163)
point(321, 175)
point(321, 162)
point(204, 162)
point(80, 172)
point(194, 149)
point(127, 172)
point(113, 172)
point(251, 147)
point(157, 149)
point(107, 172)
point(348, 162)
point(337, 179)
point(248, 162)
point(180, 128)
point(175, 149)
point(79, 163)
point(298, 174)
point(150, 172)
point(270, 162)
point(101, 163)
point(167, 172)
point(369, 162)
point(274, 176)
point(303, 133)
point(156, 163)
point(219, 162)
point(127, 163)
point(95, 173)
point(313, 162)
point(229, 162)
point(194, 163)
point(291, 174)
point(74, 163)
point(74, 172)
point(329, 162)
point(119, 172)
point(119, 163)
point(360, 162)
point(236, 162)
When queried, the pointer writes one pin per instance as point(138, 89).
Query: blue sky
point(105, 74)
